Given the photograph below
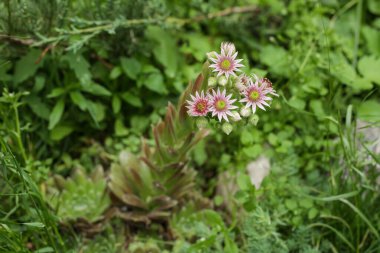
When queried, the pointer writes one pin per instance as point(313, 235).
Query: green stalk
point(359, 11)
point(18, 135)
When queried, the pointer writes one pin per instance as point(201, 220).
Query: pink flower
point(199, 106)
point(256, 95)
point(221, 105)
point(267, 86)
point(242, 81)
point(226, 62)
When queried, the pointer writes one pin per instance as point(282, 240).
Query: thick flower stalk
point(149, 186)
point(229, 99)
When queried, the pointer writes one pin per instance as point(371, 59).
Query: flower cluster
point(230, 97)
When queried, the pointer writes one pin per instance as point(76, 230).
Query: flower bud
point(254, 119)
point(201, 122)
point(227, 128)
point(245, 111)
point(235, 116)
point(211, 81)
point(222, 81)
point(212, 54)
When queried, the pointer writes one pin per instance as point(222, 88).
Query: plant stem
point(359, 11)
point(18, 134)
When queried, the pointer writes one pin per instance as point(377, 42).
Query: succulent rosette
point(229, 99)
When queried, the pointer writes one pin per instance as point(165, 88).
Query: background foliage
point(83, 80)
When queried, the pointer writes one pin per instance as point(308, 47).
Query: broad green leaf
point(97, 110)
point(246, 137)
point(116, 104)
point(372, 36)
point(369, 67)
point(155, 82)
point(40, 108)
point(80, 66)
point(131, 67)
point(131, 99)
point(198, 46)
point(27, 66)
point(317, 107)
point(164, 49)
point(39, 83)
point(253, 151)
point(297, 103)
point(291, 204)
point(56, 113)
point(61, 131)
point(275, 58)
point(115, 73)
point(96, 89)
point(374, 6)
point(139, 123)
point(244, 182)
point(79, 100)
point(120, 129)
point(369, 111)
point(345, 73)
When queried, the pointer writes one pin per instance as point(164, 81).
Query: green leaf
point(61, 131)
point(97, 111)
point(79, 100)
point(317, 107)
point(244, 182)
point(39, 83)
point(116, 104)
point(44, 250)
point(80, 66)
point(200, 155)
point(164, 49)
point(199, 45)
point(120, 129)
point(56, 92)
point(27, 66)
point(291, 204)
point(131, 99)
point(34, 224)
point(369, 67)
point(96, 89)
point(297, 103)
point(155, 83)
point(369, 111)
point(139, 123)
point(313, 212)
point(39, 108)
point(372, 36)
point(275, 58)
point(374, 6)
point(246, 137)
point(131, 67)
point(56, 113)
point(345, 73)
point(115, 73)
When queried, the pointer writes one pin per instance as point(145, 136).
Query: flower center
point(201, 106)
point(225, 65)
point(220, 105)
point(254, 95)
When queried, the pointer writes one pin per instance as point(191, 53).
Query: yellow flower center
point(225, 65)
point(254, 95)
point(201, 106)
point(220, 105)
